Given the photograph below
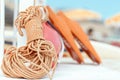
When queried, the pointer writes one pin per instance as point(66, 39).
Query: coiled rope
point(38, 58)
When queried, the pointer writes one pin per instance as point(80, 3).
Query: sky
point(106, 8)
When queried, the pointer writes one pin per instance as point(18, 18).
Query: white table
point(69, 70)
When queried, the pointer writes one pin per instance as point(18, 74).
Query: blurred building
point(90, 20)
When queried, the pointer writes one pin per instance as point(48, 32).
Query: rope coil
point(38, 58)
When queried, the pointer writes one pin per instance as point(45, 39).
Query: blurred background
point(99, 19)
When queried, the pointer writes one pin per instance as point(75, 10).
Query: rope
point(38, 58)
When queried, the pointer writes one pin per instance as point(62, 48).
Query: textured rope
point(38, 58)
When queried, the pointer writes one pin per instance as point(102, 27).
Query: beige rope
point(38, 58)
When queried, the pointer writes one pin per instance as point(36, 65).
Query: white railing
point(2, 19)
point(16, 9)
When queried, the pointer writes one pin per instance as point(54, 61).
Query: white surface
point(106, 51)
point(70, 70)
